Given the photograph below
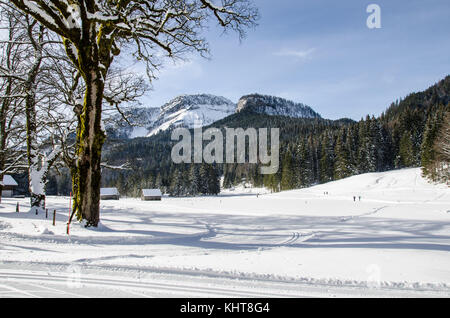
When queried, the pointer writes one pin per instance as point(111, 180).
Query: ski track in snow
point(353, 217)
point(160, 282)
point(130, 287)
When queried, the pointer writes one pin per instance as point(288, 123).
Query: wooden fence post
point(70, 212)
point(54, 216)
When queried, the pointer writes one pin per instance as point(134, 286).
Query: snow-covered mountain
point(199, 110)
point(192, 110)
point(142, 120)
point(275, 106)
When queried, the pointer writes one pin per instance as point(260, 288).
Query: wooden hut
point(9, 185)
point(151, 195)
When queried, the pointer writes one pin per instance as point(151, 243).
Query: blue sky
point(321, 53)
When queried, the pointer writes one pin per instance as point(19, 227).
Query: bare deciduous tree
point(12, 133)
point(30, 40)
point(95, 32)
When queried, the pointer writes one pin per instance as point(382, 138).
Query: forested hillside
point(312, 150)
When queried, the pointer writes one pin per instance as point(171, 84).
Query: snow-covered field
point(394, 242)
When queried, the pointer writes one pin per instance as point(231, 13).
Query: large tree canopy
point(173, 26)
point(95, 31)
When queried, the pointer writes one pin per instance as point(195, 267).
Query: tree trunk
point(90, 139)
point(38, 172)
point(5, 106)
point(37, 189)
point(36, 186)
point(1, 188)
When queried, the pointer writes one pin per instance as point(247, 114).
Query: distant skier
point(359, 198)
point(354, 198)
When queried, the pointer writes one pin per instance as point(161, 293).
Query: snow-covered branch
point(52, 14)
point(14, 165)
point(125, 166)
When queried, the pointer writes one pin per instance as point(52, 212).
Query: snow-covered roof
point(151, 192)
point(109, 191)
point(8, 181)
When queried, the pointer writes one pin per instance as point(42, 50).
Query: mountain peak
point(276, 106)
point(191, 110)
point(185, 101)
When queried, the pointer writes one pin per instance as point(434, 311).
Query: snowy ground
point(395, 242)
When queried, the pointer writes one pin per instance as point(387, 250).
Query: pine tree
point(434, 145)
point(204, 176)
point(327, 159)
point(405, 152)
point(177, 186)
point(387, 157)
point(428, 152)
point(271, 182)
point(194, 180)
point(227, 176)
point(213, 180)
point(342, 168)
point(377, 144)
point(287, 175)
point(367, 159)
point(305, 164)
point(158, 181)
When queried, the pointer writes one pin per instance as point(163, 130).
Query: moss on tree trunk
point(90, 139)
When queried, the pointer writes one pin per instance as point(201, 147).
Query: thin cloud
point(299, 54)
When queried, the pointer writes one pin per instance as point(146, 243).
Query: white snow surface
point(395, 242)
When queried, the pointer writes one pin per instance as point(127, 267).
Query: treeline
point(371, 145)
point(194, 180)
point(413, 132)
point(151, 165)
point(184, 180)
point(435, 156)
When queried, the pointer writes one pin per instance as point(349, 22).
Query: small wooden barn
point(9, 185)
point(109, 194)
point(151, 195)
